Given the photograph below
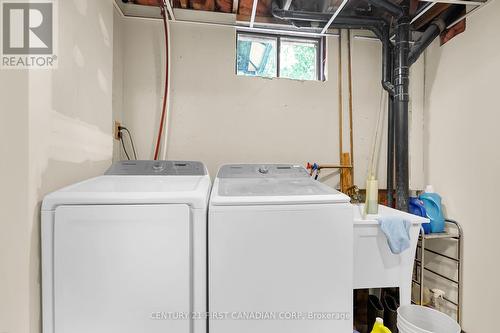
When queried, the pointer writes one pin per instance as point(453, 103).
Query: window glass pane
point(299, 59)
point(256, 55)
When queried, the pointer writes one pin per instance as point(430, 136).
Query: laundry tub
point(375, 266)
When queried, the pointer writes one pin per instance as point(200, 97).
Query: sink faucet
point(354, 193)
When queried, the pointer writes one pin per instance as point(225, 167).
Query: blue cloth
point(397, 231)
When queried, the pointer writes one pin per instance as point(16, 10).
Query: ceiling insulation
point(423, 11)
point(263, 7)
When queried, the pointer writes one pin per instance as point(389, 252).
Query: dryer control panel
point(157, 168)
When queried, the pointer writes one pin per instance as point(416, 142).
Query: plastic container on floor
point(419, 319)
point(433, 208)
point(379, 327)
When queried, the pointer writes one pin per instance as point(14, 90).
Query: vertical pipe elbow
point(430, 34)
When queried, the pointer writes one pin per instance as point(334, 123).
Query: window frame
point(320, 56)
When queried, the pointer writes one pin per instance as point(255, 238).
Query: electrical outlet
point(116, 130)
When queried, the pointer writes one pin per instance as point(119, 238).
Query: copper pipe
point(341, 106)
point(333, 166)
point(351, 129)
point(165, 96)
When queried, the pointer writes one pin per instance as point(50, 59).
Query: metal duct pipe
point(401, 100)
point(387, 49)
point(433, 31)
point(389, 6)
point(360, 22)
point(378, 26)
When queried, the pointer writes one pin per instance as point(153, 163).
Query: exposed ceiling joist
point(256, 13)
point(468, 14)
point(423, 11)
point(334, 16)
point(458, 2)
point(436, 10)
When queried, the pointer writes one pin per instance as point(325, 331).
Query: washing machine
point(126, 252)
point(280, 252)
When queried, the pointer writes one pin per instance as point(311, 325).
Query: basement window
point(272, 56)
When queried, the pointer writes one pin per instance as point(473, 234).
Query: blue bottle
point(416, 207)
point(433, 207)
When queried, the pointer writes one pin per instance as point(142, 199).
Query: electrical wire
point(168, 78)
point(122, 128)
point(165, 95)
point(123, 146)
point(164, 147)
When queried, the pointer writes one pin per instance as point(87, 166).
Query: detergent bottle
point(379, 327)
point(432, 204)
point(416, 207)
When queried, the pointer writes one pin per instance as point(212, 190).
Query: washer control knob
point(263, 170)
point(158, 167)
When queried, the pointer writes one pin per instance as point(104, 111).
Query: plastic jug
point(379, 327)
point(437, 299)
point(433, 208)
point(416, 207)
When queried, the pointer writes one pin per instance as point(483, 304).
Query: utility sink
point(375, 266)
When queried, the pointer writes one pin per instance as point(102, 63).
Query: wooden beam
point(453, 31)
point(208, 5)
point(236, 4)
point(263, 8)
point(423, 11)
point(346, 174)
point(466, 15)
point(224, 6)
point(430, 15)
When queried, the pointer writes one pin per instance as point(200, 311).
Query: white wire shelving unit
point(453, 232)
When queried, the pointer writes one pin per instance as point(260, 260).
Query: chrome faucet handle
point(354, 193)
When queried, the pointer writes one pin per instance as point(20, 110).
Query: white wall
point(14, 217)
point(117, 78)
point(55, 130)
point(218, 117)
point(462, 158)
